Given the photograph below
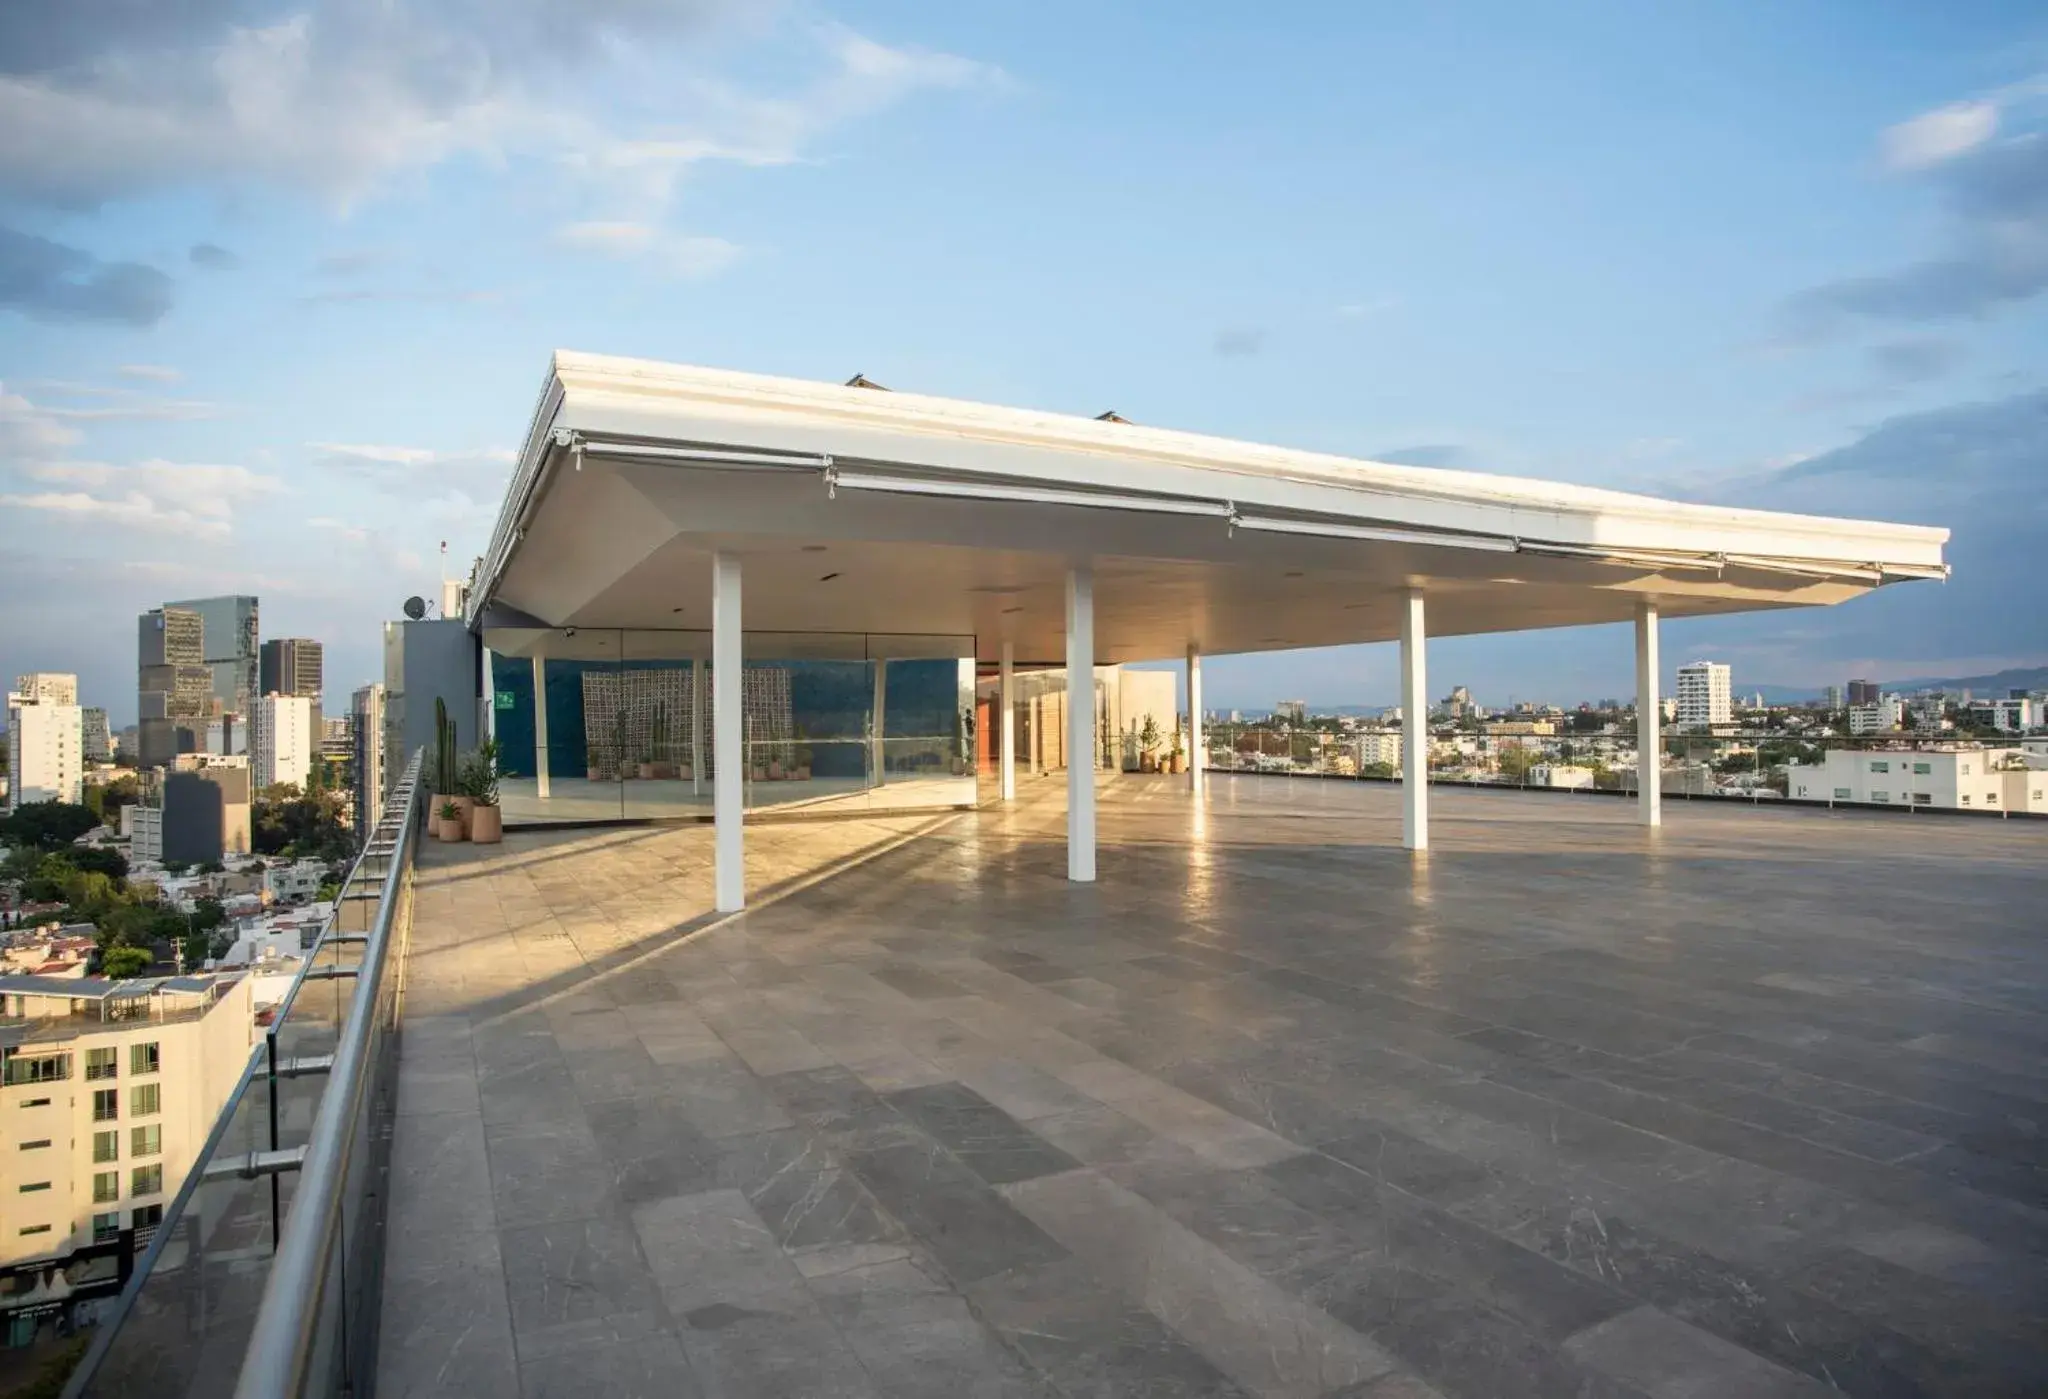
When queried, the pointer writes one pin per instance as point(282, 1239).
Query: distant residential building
point(231, 654)
point(282, 741)
point(290, 665)
point(226, 736)
point(47, 687)
point(96, 738)
point(1519, 728)
point(337, 743)
point(1831, 698)
point(1565, 775)
point(1975, 779)
point(1885, 714)
point(1458, 703)
point(2014, 715)
point(198, 812)
point(366, 731)
point(109, 1089)
point(1293, 711)
point(1703, 695)
point(45, 749)
point(1377, 746)
point(1863, 691)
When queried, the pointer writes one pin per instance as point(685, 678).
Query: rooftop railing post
point(1081, 749)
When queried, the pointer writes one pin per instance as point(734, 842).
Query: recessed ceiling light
point(1009, 610)
point(828, 578)
point(675, 609)
point(814, 548)
point(1297, 573)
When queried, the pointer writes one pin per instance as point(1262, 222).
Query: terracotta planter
point(463, 806)
point(594, 774)
point(775, 769)
point(803, 774)
point(448, 828)
point(487, 825)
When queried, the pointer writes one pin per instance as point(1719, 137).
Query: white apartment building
point(1887, 714)
point(1704, 697)
point(107, 1092)
point(45, 745)
point(1565, 775)
point(2007, 715)
point(1370, 746)
point(1972, 779)
point(285, 741)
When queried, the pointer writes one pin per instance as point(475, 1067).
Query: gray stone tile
point(545, 1171)
point(653, 1367)
point(617, 1071)
point(446, 1326)
point(1667, 1359)
point(722, 1099)
point(991, 1143)
point(820, 1209)
point(973, 1231)
point(574, 1270)
point(917, 1336)
point(655, 1151)
point(712, 1250)
point(747, 1355)
point(1266, 1339)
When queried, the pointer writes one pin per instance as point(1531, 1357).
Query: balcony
point(1742, 1106)
point(1273, 1108)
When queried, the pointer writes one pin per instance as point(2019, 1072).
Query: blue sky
point(278, 281)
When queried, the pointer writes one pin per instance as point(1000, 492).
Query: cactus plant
point(445, 759)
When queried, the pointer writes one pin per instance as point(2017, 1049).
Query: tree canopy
point(49, 825)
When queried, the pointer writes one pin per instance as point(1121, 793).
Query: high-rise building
point(290, 665)
point(45, 752)
point(198, 811)
point(284, 741)
point(1704, 698)
point(1831, 698)
point(231, 649)
point(47, 687)
point(96, 738)
point(1863, 692)
point(1294, 711)
point(366, 731)
point(173, 685)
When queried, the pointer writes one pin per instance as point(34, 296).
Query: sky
point(279, 281)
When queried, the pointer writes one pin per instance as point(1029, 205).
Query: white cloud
point(132, 510)
point(347, 94)
point(27, 430)
point(155, 373)
point(1939, 135)
point(212, 491)
point(678, 255)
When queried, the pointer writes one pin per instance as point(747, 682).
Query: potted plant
point(803, 756)
point(447, 779)
point(1148, 745)
point(449, 826)
point(1177, 758)
point(622, 766)
point(480, 782)
point(664, 765)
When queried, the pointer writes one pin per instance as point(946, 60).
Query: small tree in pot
point(480, 784)
point(449, 826)
point(1148, 745)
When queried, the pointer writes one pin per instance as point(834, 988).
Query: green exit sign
point(504, 699)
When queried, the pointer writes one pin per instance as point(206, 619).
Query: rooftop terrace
point(1748, 1105)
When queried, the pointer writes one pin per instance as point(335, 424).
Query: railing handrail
point(281, 1341)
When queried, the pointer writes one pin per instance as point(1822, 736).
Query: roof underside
point(862, 511)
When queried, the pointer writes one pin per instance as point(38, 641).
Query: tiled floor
point(1751, 1107)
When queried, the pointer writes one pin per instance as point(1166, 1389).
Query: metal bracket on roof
point(250, 1165)
point(831, 475)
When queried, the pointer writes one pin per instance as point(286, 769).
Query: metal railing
point(261, 1276)
point(1742, 767)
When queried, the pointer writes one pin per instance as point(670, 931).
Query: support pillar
point(878, 756)
point(489, 727)
point(1414, 725)
point(1649, 721)
point(1081, 725)
point(1196, 754)
point(1006, 724)
point(728, 805)
point(540, 726)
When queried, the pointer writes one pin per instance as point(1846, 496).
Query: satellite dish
point(415, 607)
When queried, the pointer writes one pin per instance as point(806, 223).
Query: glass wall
point(598, 724)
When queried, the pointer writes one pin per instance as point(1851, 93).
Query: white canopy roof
point(859, 510)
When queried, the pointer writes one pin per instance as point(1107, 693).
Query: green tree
point(49, 825)
point(208, 914)
point(124, 961)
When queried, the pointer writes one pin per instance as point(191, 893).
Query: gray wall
point(438, 660)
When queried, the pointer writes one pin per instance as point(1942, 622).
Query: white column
point(728, 761)
point(878, 755)
point(696, 727)
point(1081, 725)
point(489, 727)
point(1006, 701)
point(1649, 740)
point(1195, 753)
point(540, 726)
point(1414, 725)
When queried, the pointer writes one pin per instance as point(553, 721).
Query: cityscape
point(1340, 703)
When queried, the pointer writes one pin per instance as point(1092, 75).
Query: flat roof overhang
point(855, 510)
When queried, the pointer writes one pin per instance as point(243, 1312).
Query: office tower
point(231, 649)
point(1704, 698)
point(45, 753)
point(290, 665)
point(284, 742)
point(366, 732)
point(1831, 698)
point(1863, 692)
point(47, 687)
point(97, 739)
point(174, 687)
point(1294, 711)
